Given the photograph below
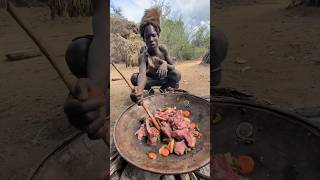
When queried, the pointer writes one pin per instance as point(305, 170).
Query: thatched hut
point(70, 8)
point(295, 3)
point(125, 42)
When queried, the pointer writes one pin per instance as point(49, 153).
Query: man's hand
point(85, 108)
point(137, 95)
point(162, 70)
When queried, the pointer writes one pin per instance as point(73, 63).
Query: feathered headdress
point(151, 16)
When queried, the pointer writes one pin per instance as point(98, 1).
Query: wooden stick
point(122, 76)
point(41, 46)
point(47, 53)
point(153, 119)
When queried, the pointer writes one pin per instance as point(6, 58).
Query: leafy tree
point(164, 7)
point(202, 37)
point(176, 35)
point(116, 12)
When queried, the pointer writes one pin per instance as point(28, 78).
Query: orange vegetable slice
point(171, 146)
point(186, 113)
point(160, 150)
point(193, 125)
point(152, 155)
point(245, 164)
point(165, 152)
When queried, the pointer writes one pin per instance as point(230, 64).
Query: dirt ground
point(281, 48)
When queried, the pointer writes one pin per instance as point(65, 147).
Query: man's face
point(151, 37)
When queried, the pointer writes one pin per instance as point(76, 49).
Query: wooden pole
point(153, 119)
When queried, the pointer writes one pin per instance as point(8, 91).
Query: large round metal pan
point(78, 158)
point(135, 151)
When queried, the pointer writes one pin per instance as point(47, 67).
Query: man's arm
point(137, 93)
point(170, 62)
point(97, 59)
point(142, 78)
point(86, 107)
point(97, 70)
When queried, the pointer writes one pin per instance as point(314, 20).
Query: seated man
point(156, 68)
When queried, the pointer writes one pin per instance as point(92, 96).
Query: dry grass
point(70, 8)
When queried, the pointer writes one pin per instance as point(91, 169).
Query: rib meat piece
point(152, 132)
point(142, 132)
point(166, 129)
point(179, 148)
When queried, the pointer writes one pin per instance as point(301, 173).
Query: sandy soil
point(280, 46)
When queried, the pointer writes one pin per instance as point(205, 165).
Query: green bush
point(199, 52)
point(201, 38)
point(177, 40)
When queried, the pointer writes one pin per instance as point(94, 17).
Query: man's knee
point(77, 55)
point(220, 47)
point(174, 75)
point(215, 81)
point(134, 79)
